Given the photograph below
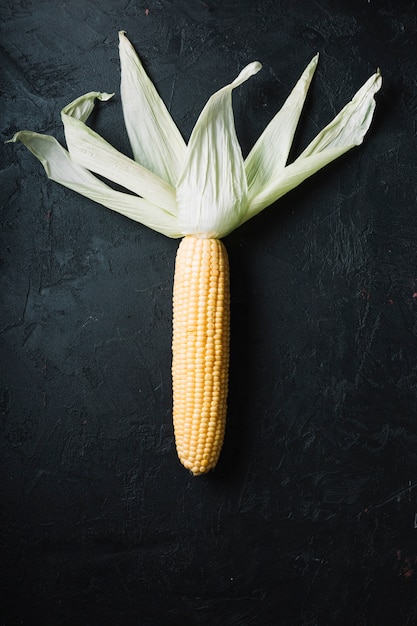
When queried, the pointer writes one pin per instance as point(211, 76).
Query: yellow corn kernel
point(200, 351)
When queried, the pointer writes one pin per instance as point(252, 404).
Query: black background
point(310, 517)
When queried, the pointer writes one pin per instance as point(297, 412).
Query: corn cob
point(200, 191)
point(200, 351)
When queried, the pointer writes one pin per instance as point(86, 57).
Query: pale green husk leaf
point(155, 139)
point(270, 153)
point(91, 151)
point(60, 168)
point(212, 188)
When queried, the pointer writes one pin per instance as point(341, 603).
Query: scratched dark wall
point(310, 517)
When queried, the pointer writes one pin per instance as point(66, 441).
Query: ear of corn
point(200, 349)
point(201, 191)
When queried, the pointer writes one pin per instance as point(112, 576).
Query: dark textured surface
point(311, 516)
